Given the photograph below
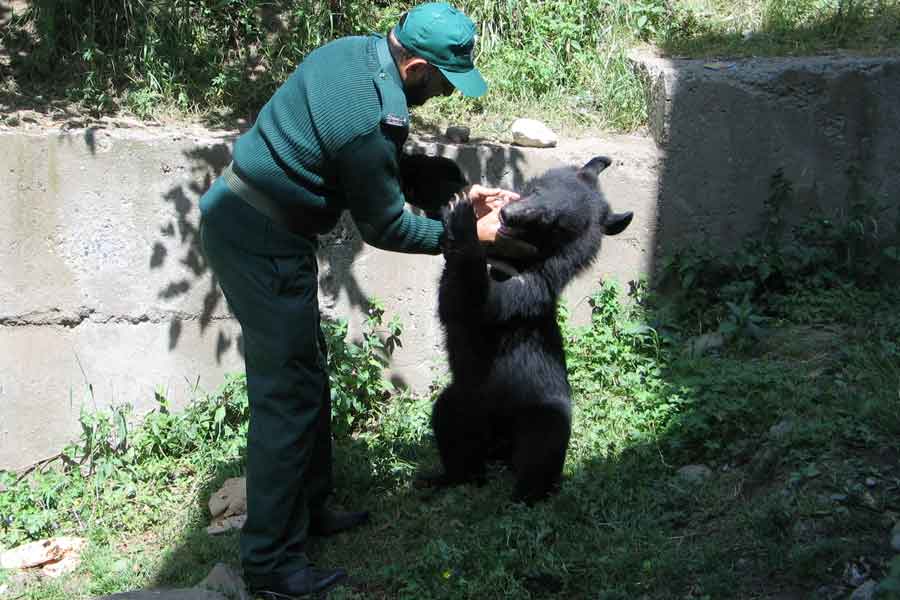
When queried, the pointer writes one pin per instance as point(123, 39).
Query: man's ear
point(413, 69)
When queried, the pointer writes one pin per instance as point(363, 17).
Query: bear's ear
point(617, 222)
point(589, 172)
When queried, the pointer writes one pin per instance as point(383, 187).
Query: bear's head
point(559, 213)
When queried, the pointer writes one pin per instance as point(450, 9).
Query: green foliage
point(561, 60)
point(736, 292)
point(622, 525)
point(117, 471)
point(356, 370)
point(777, 27)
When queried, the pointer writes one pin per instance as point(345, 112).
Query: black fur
point(509, 393)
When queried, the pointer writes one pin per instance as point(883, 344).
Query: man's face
point(428, 84)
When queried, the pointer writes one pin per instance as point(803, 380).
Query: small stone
point(224, 580)
point(457, 134)
point(695, 473)
point(781, 429)
point(12, 120)
point(230, 499)
point(532, 133)
point(864, 592)
point(871, 482)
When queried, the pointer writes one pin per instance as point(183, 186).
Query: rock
point(694, 473)
point(533, 134)
point(864, 592)
point(224, 580)
point(871, 482)
point(231, 499)
point(781, 429)
point(221, 584)
point(701, 344)
point(221, 525)
point(228, 506)
point(55, 555)
point(457, 134)
point(895, 538)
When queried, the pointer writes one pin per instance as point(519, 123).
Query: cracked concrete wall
point(105, 297)
point(829, 122)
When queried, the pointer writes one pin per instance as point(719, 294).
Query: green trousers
point(270, 280)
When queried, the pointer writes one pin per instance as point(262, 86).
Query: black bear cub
point(510, 398)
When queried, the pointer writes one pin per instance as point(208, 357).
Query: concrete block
point(829, 122)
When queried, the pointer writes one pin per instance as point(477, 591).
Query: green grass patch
point(563, 61)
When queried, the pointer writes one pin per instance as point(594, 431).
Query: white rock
point(34, 554)
point(231, 499)
point(532, 133)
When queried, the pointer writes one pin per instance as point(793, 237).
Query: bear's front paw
point(460, 225)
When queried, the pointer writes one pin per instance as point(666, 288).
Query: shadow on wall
point(179, 237)
point(183, 231)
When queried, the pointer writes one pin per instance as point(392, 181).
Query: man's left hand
point(485, 200)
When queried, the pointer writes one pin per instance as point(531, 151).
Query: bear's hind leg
point(461, 437)
point(541, 441)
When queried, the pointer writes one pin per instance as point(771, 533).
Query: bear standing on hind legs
point(509, 386)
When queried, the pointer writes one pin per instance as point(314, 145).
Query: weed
point(358, 384)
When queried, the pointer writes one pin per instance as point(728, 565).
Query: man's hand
point(487, 203)
point(485, 199)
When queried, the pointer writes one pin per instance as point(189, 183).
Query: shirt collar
point(387, 63)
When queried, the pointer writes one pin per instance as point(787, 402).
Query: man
point(328, 140)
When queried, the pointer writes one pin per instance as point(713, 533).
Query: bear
point(509, 397)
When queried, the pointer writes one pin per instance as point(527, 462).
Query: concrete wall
point(105, 297)
point(830, 122)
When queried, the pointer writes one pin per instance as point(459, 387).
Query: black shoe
point(307, 580)
point(329, 522)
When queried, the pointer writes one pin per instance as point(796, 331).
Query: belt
point(263, 204)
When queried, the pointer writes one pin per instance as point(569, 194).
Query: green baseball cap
point(445, 37)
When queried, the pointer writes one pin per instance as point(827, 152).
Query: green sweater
point(329, 139)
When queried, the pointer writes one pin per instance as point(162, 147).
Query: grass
point(786, 511)
point(563, 61)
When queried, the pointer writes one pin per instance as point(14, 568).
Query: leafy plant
point(356, 369)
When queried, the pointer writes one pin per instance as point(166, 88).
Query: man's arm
point(368, 173)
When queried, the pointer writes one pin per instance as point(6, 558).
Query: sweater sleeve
point(369, 175)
